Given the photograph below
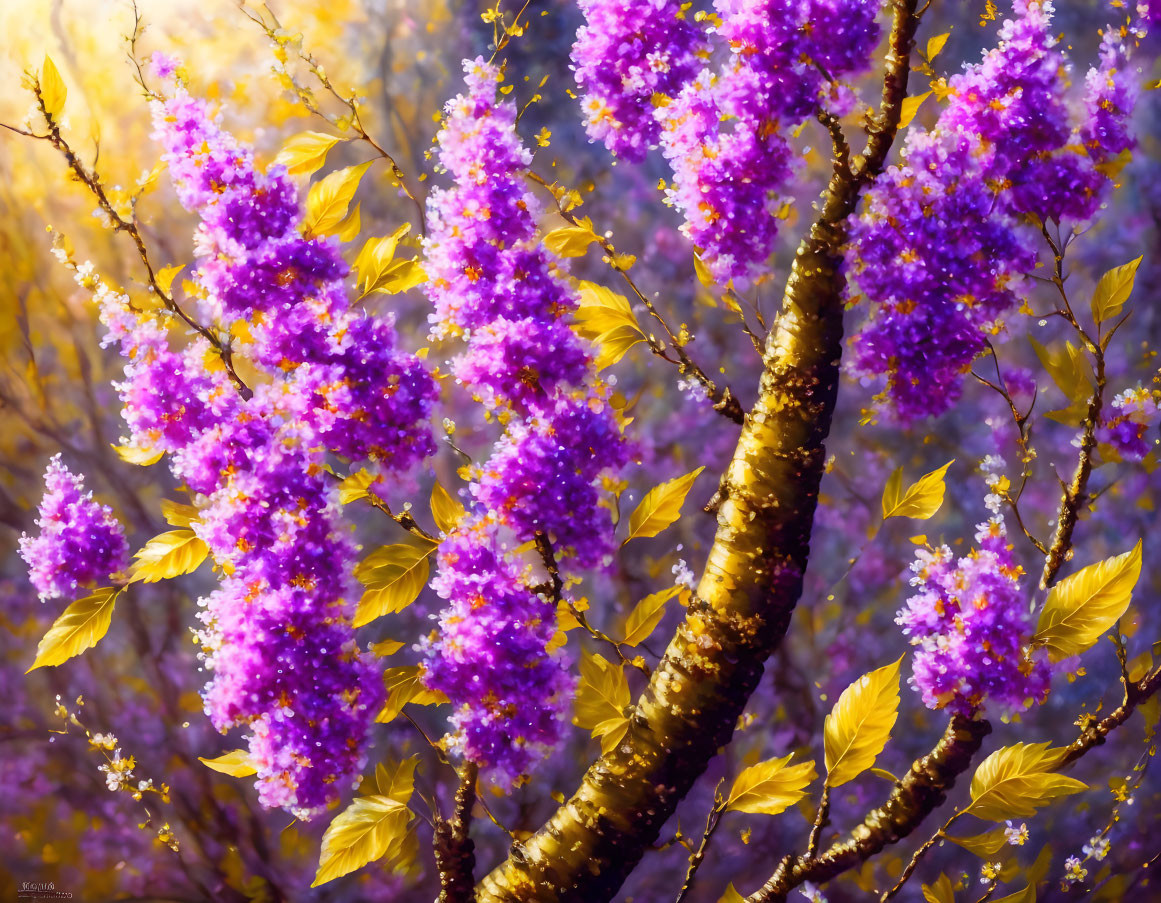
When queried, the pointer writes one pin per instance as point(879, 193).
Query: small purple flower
point(80, 544)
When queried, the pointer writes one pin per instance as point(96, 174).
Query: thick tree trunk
point(752, 580)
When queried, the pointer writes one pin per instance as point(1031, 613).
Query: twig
point(821, 820)
point(713, 819)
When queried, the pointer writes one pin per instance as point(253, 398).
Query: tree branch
point(455, 853)
point(753, 578)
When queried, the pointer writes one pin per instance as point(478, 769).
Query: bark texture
point(753, 578)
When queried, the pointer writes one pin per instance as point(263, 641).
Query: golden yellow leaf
point(614, 345)
point(52, 88)
point(1082, 606)
point(910, 108)
point(178, 514)
point(935, 45)
point(1070, 370)
point(236, 763)
point(921, 499)
point(396, 780)
point(169, 555)
point(731, 895)
point(404, 685)
point(377, 270)
point(385, 648)
point(661, 506)
point(770, 787)
point(348, 229)
point(702, 271)
point(328, 200)
point(985, 845)
point(446, 510)
point(859, 725)
point(79, 627)
point(394, 576)
point(371, 828)
point(142, 457)
point(1015, 781)
point(601, 699)
point(1027, 895)
point(646, 615)
point(939, 892)
point(1113, 290)
point(355, 487)
point(601, 311)
point(571, 241)
point(166, 276)
point(306, 152)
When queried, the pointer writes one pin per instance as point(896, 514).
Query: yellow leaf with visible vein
point(178, 514)
point(601, 699)
point(169, 555)
point(1082, 606)
point(601, 310)
point(236, 763)
point(646, 615)
point(859, 725)
point(355, 487)
point(52, 88)
point(394, 576)
point(1113, 290)
point(571, 241)
point(921, 499)
point(446, 510)
point(1015, 781)
point(306, 152)
point(661, 506)
point(405, 685)
point(770, 787)
point(397, 779)
point(371, 828)
point(614, 345)
point(377, 270)
point(79, 627)
point(985, 845)
point(328, 200)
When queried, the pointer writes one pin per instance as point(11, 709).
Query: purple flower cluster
point(506, 717)
point(628, 56)
point(725, 135)
point(277, 633)
point(1134, 413)
point(360, 396)
point(970, 621)
point(946, 235)
point(492, 282)
point(80, 543)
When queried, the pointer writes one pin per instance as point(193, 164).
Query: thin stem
point(821, 820)
point(554, 589)
point(919, 854)
point(713, 819)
